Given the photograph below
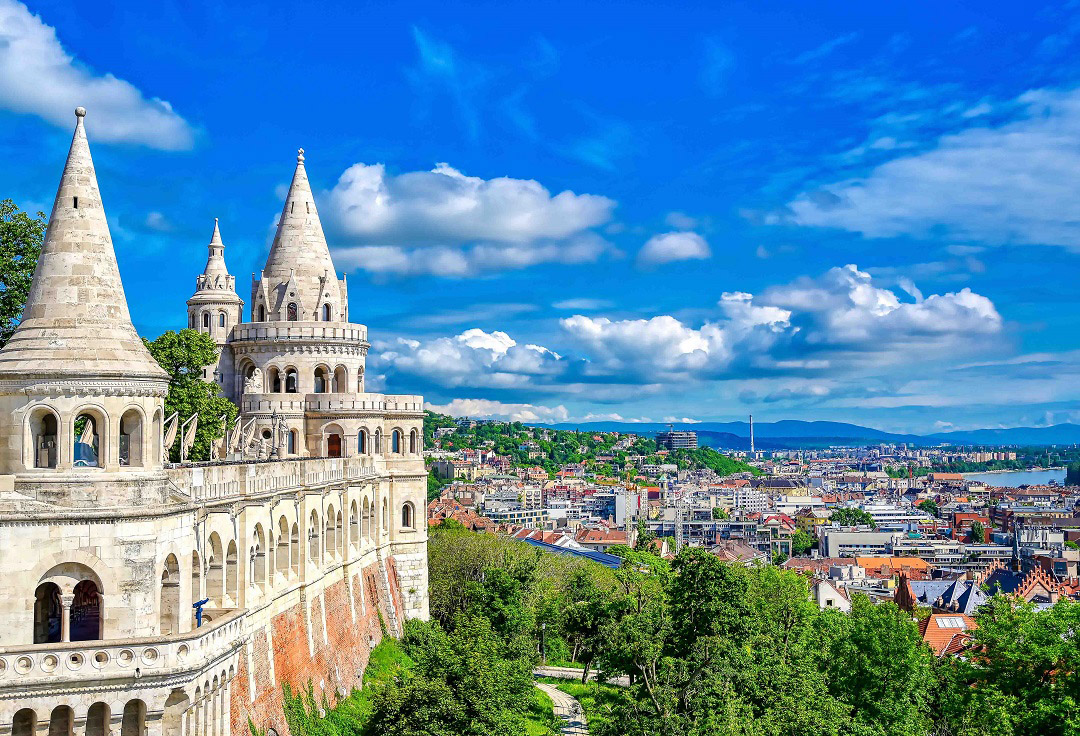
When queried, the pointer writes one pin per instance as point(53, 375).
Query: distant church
point(138, 597)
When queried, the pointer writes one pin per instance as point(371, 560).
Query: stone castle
point(303, 557)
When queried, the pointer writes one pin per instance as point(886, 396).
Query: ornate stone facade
point(302, 562)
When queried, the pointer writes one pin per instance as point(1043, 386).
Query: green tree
point(978, 532)
point(801, 543)
point(1072, 474)
point(183, 355)
point(929, 506)
point(851, 517)
point(719, 513)
point(21, 238)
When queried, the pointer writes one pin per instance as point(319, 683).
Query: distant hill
point(794, 433)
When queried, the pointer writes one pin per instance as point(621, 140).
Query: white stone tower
point(215, 308)
point(81, 398)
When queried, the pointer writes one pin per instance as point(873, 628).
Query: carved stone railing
point(230, 480)
point(284, 331)
point(286, 403)
point(51, 664)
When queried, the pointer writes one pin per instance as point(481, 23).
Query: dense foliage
point(183, 355)
point(21, 238)
point(711, 649)
point(551, 449)
point(851, 517)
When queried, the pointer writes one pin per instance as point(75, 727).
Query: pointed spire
point(215, 258)
point(76, 320)
point(300, 247)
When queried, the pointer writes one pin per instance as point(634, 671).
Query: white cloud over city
point(1010, 183)
point(446, 223)
point(38, 76)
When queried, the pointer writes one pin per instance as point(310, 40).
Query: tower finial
point(80, 112)
point(300, 155)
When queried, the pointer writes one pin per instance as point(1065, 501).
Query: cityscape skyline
point(864, 217)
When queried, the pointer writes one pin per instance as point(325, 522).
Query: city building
point(677, 439)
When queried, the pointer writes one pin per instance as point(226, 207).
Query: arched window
point(86, 612)
point(322, 380)
point(62, 721)
point(221, 319)
point(191, 321)
point(169, 613)
point(412, 442)
point(354, 526)
point(262, 313)
point(232, 573)
point(48, 614)
point(313, 539)
point(275, 380)
point(326, 312)
point(292, 441)
point(407, 515)
point(292, 312)
point(131, 438)
point(282, 561)
point(395, 442)
point(257, 559)
point(206, 320)
point(24, 723)
point(290, 381)
point(196, 584)
point(44, 428)
point(87, 441)
point(385, 518)
point(294, 549)
point(341, 380)
point(378, 442)
point(361, 442)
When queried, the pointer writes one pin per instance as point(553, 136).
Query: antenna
point(752, 453)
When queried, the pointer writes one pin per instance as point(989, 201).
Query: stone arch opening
point(97, 720)
point(282, 552)
point(86, 612)
point(196, 583)
point(339, 536)
point(222, 319)
point(294, 549)
point(156, 439)
point(206, 320)
point(87, 434)
point(330, 534)
point(273, 378)
point(377, 444)
point(134, 718)
point(262, 313)
point(215, 571)
point(395, 442)
point(176, 708)
point(385, 517)
point(407, 515)
point(332, 434)
point(232, 572)
point(44, 434)
point(294, 438)
point(292, 312)
point(341, 380)
point(322, 379)
point(62, 721)
point(258, 559)
point(354, 527)
point(292, 381)
point(413, 442)
point(365, 520)
point(24, 723)
point(48, 614)
point(362, 442)
point(169, 613)
point(131, 438)
point(313, 539)
point(326, 312)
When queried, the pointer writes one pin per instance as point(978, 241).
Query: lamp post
point(543, 643)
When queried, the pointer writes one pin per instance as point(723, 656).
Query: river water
point(1017, 478)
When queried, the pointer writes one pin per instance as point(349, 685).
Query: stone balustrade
point(285, 331)
point(230, 480)
point(49, 664)
point(327, 402)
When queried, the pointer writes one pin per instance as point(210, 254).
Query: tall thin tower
point(752, 454)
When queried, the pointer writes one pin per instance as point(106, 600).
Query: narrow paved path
point(573, 673)
point(567, 709)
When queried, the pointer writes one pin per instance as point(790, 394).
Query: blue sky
point(864, 212)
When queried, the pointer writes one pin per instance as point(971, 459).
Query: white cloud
point(443, 206)
point(1011, 184)
point(488, 409)
point(675, 246)
point(38, 77)
point(582, 304)
point(681, 221)
point(445, 223)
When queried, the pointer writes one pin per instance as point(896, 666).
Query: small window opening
point(75, 202)
point(293, 312)
point(262, 314)
point(292, 207)
point(221, 319)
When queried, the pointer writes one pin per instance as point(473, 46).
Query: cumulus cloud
point(583, 304)
point(1014, 183)
point(674, 246)
point(444, 222)
point(488, 409)
point(39, 77)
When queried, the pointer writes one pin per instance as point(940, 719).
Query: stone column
point(65, 618)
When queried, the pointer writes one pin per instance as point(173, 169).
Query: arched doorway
point(48, 614)
point(24, 723)
point(62, 721)
point(86, 612)
point(170, 597)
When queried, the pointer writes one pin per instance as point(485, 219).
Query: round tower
point(81, 398)
point(215, 309)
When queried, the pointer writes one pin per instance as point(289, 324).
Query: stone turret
point(81, 398)
point(215, 307)
point(298, 282)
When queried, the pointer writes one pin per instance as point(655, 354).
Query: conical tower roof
point(299, 249)
point(76, 321)
point(215, 259)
